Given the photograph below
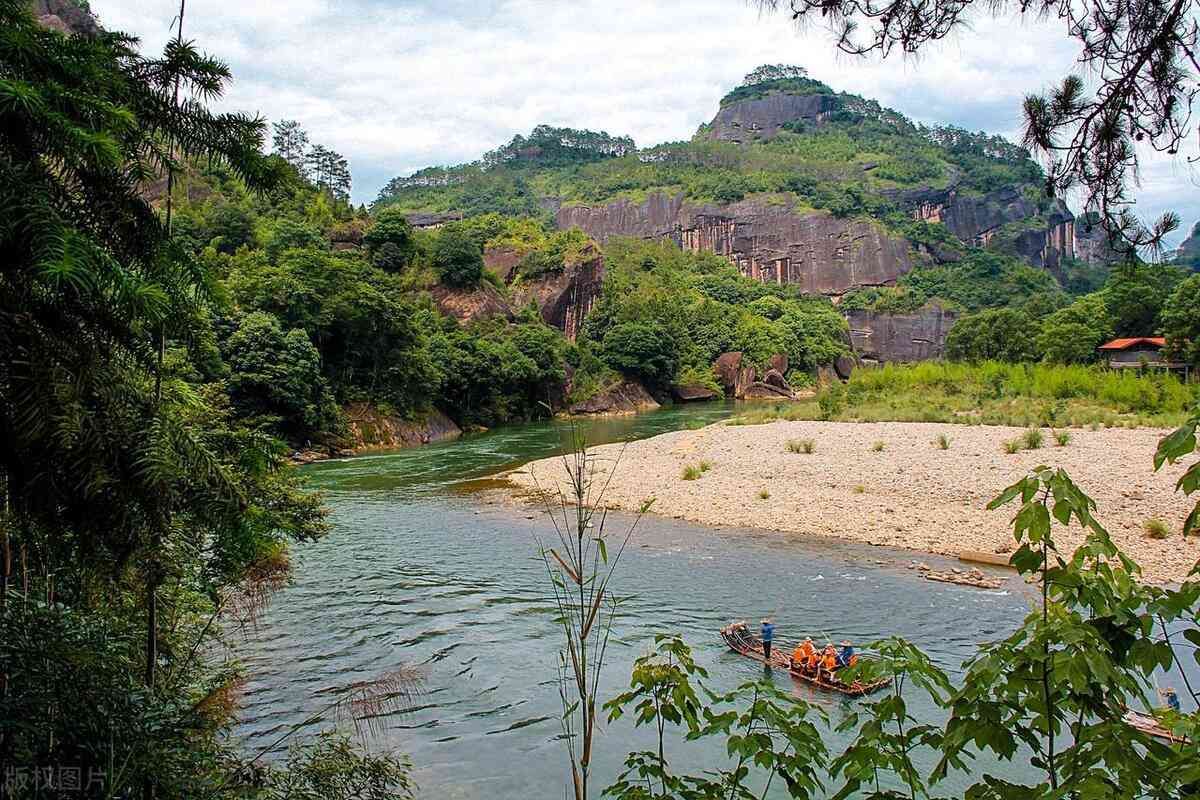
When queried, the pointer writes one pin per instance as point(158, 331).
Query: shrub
point(691, 472)
point(1156, 529)
point(1012, 446)
point(1032, 439)
point(1062, 438)
point(806, 446)
point(457, 257)
point(942, 441)
point(877, 447)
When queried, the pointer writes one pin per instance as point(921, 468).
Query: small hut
point(1140, 352)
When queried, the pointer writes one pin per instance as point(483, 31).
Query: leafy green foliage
point(330, 767)
point(682, 310)
point(1000, 334)
point(390, 241)
point(275, 378)
point(457, 257)
point(1181, 321)
point(767, 731)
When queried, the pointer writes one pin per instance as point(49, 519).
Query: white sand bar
point(911, 494)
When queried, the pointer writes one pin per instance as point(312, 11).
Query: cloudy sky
point(396, 85)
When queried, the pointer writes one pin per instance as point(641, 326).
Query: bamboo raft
point(1150, 726)
point(741, 641)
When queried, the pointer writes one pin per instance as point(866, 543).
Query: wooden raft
point(743, 642)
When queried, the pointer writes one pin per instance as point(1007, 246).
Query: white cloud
point(396, 86)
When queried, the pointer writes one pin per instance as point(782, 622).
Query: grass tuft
point(1062, 438)
point(877, 447)
point(859, 489)
point(763, 494)
point(806, 446)
point(1011, 446)
point(1032, 439)
point(1156, 529)
point(691, 472)
point(942, 442)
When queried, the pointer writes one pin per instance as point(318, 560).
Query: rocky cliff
point(65, 16)
point(563, 296)
point(900, 337)
point(762, 118)
point(1043, 238)
point(766, 240)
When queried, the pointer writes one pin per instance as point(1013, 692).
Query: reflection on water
point(415, 573)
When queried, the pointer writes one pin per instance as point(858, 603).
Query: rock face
point(976, 219)
point(1092, 243)
point(761, 118)
point(468, 305)
point(734, 373)
point(627, 397)
point(1189, 248)
point(371, 430)
point(900, 337)
point(813, 250)
point(565, 297)
point(691, 393)
point(65, 17)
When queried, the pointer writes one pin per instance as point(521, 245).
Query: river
point(421, 570)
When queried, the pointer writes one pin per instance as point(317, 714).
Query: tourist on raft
point(768, 633)
point(803, 654)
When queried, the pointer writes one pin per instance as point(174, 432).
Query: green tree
point(457, 257)
point(642, 350)
point(1072, 334)
point(276, 375)
point(119, 480)
point(289, 234)
point(1001, 334)
point(1181, 321)
point(390, 240)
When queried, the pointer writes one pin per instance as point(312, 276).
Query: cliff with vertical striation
point(766, 240)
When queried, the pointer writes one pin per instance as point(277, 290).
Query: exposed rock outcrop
point(65, 17)
point(900, 337)
point(734, 373)
point(1092, 243)
point(813, 250)
point(468, 305)
point(976, 219)
point(627, 397)
point(564, 296)
point(765, 391)
point(761, 118)
point(691, 393)
point(371, 430)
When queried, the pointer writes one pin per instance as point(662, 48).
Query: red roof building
point(1140, 351)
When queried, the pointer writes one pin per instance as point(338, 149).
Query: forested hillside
point(831, 194)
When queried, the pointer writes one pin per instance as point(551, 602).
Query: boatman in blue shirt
point(768, 633)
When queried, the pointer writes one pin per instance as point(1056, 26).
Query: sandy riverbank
point(910, 494)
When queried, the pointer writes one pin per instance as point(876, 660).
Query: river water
point(422, 570)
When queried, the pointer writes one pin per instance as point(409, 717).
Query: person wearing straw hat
point(1172, 699)
point(768, 634)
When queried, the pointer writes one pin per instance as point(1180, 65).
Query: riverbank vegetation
point(141, 518)
point(994, 393)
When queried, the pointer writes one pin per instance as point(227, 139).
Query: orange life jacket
point(830, 660)
point(798, 655)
